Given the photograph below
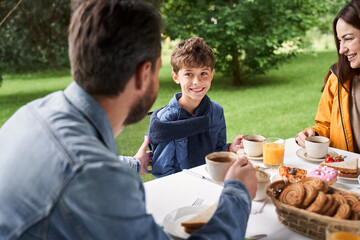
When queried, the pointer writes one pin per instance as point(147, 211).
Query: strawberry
point(329, 160)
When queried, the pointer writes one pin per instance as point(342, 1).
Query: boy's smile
point(194, 82)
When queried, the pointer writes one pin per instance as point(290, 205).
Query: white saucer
point(301, 153)
point(241, 152)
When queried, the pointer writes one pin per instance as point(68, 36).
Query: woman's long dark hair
point(350, 13)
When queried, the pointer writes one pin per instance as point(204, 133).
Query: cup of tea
point(218, 163)
point(341, 231)
point(263, 182)
point(317, 146)
point(253, 145)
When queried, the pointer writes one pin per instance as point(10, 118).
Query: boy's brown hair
point(193, 52)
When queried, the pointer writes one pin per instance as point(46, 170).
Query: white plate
point(301, 153)
point(173, 220)
point(241, 152)
point(348, 178)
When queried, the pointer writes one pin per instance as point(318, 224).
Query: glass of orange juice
point(343, 232)
point(273, 152)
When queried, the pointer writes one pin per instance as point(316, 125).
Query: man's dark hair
point(109, 39)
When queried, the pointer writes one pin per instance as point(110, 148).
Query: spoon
point(258, 236)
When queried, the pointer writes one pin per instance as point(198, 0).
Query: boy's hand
point(236, 144)
point(243, 171)
point(144, 156)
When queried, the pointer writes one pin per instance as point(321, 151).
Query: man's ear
point(143, 73)
point(175, 77)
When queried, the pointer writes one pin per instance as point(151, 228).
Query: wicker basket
point(310, 224)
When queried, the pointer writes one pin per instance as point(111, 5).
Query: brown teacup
point(253, 145)
point(218, 163)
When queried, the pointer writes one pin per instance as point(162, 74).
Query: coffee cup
point(218, 163)
point(317, 146)
point(263, 179)
point(253, 145)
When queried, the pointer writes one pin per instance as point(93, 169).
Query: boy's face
point(194, 82)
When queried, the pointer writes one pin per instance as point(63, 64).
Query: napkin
point(256, 207)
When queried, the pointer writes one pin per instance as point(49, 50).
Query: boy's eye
point(188, 74)
point(204, 73)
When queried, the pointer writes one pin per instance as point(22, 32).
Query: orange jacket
point(333, 119)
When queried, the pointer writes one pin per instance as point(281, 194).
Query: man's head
point(193, 52)
point(109, 40)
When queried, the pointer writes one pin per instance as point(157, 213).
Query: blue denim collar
point(95, 114)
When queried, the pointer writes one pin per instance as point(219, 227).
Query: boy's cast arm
point(164, 159)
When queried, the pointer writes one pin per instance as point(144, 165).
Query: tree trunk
point(237, 80)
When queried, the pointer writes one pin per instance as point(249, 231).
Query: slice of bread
point(347, 168)
point(199, 220)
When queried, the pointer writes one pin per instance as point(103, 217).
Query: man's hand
point(144, 156)
point(300, 138)
point(237, 143)
point(243, 171)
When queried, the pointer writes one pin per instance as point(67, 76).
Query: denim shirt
point(168, 157)
point(61, 178)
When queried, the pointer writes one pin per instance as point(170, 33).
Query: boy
point(191, 125)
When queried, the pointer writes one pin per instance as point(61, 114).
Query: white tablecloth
point(166, 194)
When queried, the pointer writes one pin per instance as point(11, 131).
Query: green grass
point(280, 103)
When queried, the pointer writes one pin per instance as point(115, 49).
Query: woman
point(339, 108)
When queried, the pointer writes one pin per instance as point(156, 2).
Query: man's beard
point(140, 109)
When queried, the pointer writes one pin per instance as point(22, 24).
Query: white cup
point(218, 163)
point(263, 182)
point(317, 146)
point(253, 145)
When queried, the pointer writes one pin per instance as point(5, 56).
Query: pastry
point(339, 198)
point(350, 198)
point(355, 208)
point(317, 183)
point(327, 174)
point(318, 203)
point(343, 211)
point(310, 195)
point(291, 174)
point(333, 208)
point(328, 204)
point(293, 195)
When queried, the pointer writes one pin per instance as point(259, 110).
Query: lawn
point(279, 104)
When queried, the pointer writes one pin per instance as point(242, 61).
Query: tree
point(248, 36)
point(35, 34)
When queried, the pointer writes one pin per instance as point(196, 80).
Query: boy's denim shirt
point(61, 178)
point(169, 156)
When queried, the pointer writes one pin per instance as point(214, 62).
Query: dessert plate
point(172, 221)
point(348, 178)
point(301, 153)
point(241, 152)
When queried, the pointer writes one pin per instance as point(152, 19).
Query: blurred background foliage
point(249, 37)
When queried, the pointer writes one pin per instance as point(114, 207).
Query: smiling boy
point(191, 125)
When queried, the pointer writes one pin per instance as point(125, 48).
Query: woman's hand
point(300, 138)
